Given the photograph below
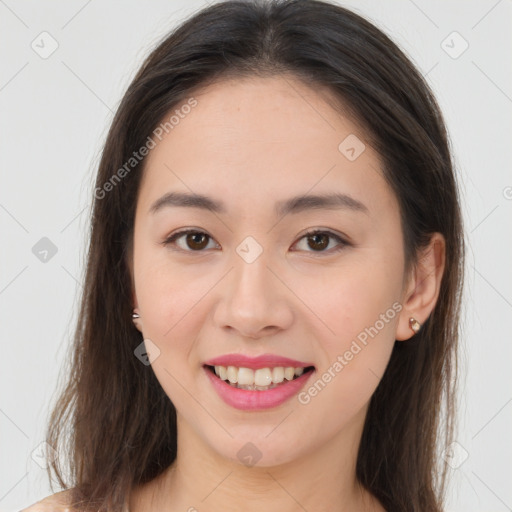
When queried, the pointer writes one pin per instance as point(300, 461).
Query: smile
point(240, 387)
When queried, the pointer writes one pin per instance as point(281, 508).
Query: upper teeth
point(259, 377)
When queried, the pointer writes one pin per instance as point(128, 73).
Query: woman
point(270, 311)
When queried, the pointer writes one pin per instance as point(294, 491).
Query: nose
point(254, 302)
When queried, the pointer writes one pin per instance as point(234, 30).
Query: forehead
point(261, 138)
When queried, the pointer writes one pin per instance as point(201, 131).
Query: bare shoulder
point(58, 502)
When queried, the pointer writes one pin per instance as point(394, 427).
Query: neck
point(200, 479)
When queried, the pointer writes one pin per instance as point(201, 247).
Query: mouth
point(261, 379)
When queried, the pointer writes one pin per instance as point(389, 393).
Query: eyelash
point(343, 243)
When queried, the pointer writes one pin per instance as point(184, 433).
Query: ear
point(129, 263)
point(137, 321)
point(422, 287)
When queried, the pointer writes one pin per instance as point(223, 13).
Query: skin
point(250, 143)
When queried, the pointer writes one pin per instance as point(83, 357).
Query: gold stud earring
point(414, 325)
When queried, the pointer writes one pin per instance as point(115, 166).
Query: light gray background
point(55, 113)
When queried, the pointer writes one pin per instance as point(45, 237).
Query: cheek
point(360, 315)
point(169, 295)
point(354, 297)
point(175, 303)
point(173, 313)
point(355, 358)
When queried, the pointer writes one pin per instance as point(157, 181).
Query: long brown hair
point(113, 419)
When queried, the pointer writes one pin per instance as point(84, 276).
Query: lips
point(256, 383)
point(254, 400)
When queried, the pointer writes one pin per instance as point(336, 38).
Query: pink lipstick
point(226, 372)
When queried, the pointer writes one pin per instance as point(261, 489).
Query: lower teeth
point(253, 387)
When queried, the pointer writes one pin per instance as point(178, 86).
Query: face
point(314, 281)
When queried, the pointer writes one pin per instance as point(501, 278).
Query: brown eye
point(318, 242)
point(189, 240)
point(196, 241)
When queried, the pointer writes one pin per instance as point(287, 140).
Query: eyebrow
point(332, 201)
